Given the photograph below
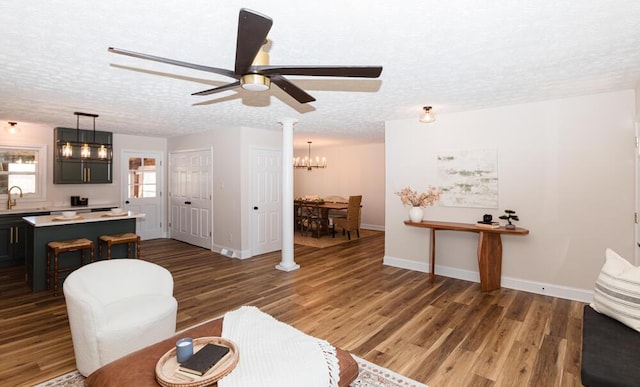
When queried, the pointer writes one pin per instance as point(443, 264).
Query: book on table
point(203, 360)
point(488, 224)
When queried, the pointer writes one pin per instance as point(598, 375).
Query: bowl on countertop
point(117, 211)
point(69, 214)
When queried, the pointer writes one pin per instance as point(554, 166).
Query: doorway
point(190, 199)
point(266, 196)
point(142, 191)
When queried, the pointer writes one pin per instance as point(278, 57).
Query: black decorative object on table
point(487, 218)
point(509, 216)
point(487, 222)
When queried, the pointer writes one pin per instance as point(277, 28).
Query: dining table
point(318, 211)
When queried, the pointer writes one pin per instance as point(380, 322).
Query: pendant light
point(85, 151)
point(67, 150)
point(85, 147)
point(102, 152)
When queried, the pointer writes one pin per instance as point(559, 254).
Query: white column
point(287, 263)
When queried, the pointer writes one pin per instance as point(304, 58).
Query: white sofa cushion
point(617, 291)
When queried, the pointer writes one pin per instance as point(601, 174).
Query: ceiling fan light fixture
point(255, 82)
point(252, 70)
point(427, 115)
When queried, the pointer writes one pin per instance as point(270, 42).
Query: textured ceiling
point(454, 55)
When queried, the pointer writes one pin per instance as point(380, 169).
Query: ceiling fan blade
point(321, 71)
point(218, 89)
point(291, 89)
point(216, 70)
point(253, 28)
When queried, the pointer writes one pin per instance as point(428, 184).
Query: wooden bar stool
point(58, 247)
point(118, 239)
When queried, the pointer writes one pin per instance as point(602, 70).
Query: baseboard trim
point(231, 253)
point(374, 227)
point(546, 289)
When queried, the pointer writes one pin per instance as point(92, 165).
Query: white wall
point(566, 167)
point(351, 170)
point(638, 102)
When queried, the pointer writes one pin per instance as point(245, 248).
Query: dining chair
point(298, 217)
point(313, 221)
point(352, 221)
point(335, 213)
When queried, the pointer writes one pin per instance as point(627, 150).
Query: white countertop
point(53, 208)
point(86, 217)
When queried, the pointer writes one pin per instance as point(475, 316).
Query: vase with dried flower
point(417, 201)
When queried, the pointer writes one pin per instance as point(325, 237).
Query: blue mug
point(184, 349)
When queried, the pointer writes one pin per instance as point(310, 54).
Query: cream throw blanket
point(273, 353)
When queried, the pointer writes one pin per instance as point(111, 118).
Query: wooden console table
point(489, 248)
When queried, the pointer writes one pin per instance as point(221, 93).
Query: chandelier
point(309, 163)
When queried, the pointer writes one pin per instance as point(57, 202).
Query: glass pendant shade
point(85, 151)
point(67, 150)
point(102, 152)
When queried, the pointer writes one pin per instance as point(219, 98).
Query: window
point(23, 167)
point(142, 177)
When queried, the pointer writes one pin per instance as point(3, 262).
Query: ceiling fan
point(252, 70)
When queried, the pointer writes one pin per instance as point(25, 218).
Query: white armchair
point(116, 307)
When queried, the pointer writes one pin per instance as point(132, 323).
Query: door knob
point(126, 202)
point(255, 207)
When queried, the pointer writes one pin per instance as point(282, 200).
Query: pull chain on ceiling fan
point(252, 70)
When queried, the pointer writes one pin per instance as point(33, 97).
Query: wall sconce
point(427, 115)
point(12, 129)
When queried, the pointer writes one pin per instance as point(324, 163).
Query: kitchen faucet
point(11, 203)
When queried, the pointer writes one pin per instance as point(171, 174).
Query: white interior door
point(142, 191)
point(266, 195)
point(190, 200)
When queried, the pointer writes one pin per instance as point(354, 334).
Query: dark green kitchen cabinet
point(74, 169)
point(13, 236)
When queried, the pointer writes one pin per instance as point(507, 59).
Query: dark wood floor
point(443, 334)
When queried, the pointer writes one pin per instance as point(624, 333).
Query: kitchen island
point(46, 228)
